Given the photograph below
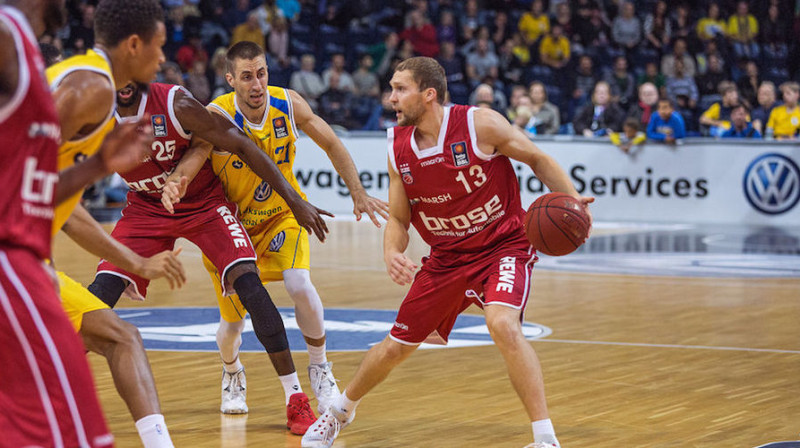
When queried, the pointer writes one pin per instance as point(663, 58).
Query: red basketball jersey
point(170, 142)
point(461, 199)
point(30, 133)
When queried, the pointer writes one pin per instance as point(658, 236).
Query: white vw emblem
point(772, 184)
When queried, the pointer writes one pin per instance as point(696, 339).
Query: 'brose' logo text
point(464, 221)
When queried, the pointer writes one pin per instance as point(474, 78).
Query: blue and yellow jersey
point(276, 135)
point(84, 146)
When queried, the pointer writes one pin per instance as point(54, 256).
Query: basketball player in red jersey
point(451, 177)
point(49, 400)
point(203, 215)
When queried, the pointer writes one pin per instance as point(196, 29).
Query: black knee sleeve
point(108, 288)
point(266, 319)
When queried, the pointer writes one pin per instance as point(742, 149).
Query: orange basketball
point(556, 224)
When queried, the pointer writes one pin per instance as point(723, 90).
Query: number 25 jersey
point(461, 199)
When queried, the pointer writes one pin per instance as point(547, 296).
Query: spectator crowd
point(627, 70)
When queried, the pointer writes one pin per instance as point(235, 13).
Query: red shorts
point(446, 286)
point(47, 398)
point(214, 228)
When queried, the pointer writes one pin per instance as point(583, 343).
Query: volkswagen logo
point(772, 184)
point(263, 192)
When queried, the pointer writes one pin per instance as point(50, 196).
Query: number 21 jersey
point(461, 199)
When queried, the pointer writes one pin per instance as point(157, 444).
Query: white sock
point(345, 405)
point(544, 432)
point(233, 367)
point(291, 385)
point(316, 355)
point(153, 432)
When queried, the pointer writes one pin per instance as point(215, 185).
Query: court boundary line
point(678, 346)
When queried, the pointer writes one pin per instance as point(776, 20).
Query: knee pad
point(108, 288)
point(266, 319)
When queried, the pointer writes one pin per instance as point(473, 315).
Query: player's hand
point(310, 218)
point(400, 268)
point(126, 146)
point(364, 203)
point(166, 265)
point(586, 200)
point(172, 193)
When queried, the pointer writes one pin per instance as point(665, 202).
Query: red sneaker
point(299, 414)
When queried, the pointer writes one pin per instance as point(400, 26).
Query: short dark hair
point(668, 101)
point(742, 105)
point(632, 122)
point(427, 73)
point(116, 20)
point(246, 50)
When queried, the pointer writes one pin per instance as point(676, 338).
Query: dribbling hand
point(173, 192)
point(400, 268)
point(586, 200)
point(126, 146)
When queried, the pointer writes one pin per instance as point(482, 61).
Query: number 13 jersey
point(461, 199)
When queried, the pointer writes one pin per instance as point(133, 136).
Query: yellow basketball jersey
point(276, 136)
point(76, 150)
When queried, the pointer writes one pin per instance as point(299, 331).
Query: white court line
point(692, 347)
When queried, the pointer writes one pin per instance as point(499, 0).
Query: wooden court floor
point(632, 362)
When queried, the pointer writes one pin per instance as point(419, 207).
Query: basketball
point(556, 224)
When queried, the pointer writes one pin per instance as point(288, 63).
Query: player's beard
point(411, 116)
point(55, 16)
point(137, 90)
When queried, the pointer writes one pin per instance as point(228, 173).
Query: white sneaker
point(234, 392)
point(542, 445)
point(324, 385)
point(325, 430)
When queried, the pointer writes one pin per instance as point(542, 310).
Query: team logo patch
point(263, 192)
point(277, 242)
point(348, 329)
point(237, 164)
point(405, 173)
point(279, 124)
point(159, 125)
point(460, 156)
point(772, 184)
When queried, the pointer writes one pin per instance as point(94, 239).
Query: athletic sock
point(346, 406)
point(544, 432)
point(316, 355)
point(153, 432)
point(234, 366)
point(291, 385)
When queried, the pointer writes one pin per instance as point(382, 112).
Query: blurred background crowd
point(625, 70)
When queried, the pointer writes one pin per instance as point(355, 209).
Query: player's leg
point(506, 294)
point(105, 333)
point(269, 329)
point(49, 397)
point(523, 367)
point(428, 311)
point(289, 250)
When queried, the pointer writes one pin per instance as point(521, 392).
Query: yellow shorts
point(77, 300)
point(281, 246)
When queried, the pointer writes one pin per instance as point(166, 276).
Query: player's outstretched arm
point(83, 100)
point(395, 237)
point(88, 233)
point(495, 133)
point(322, 134)
point(220, 132)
